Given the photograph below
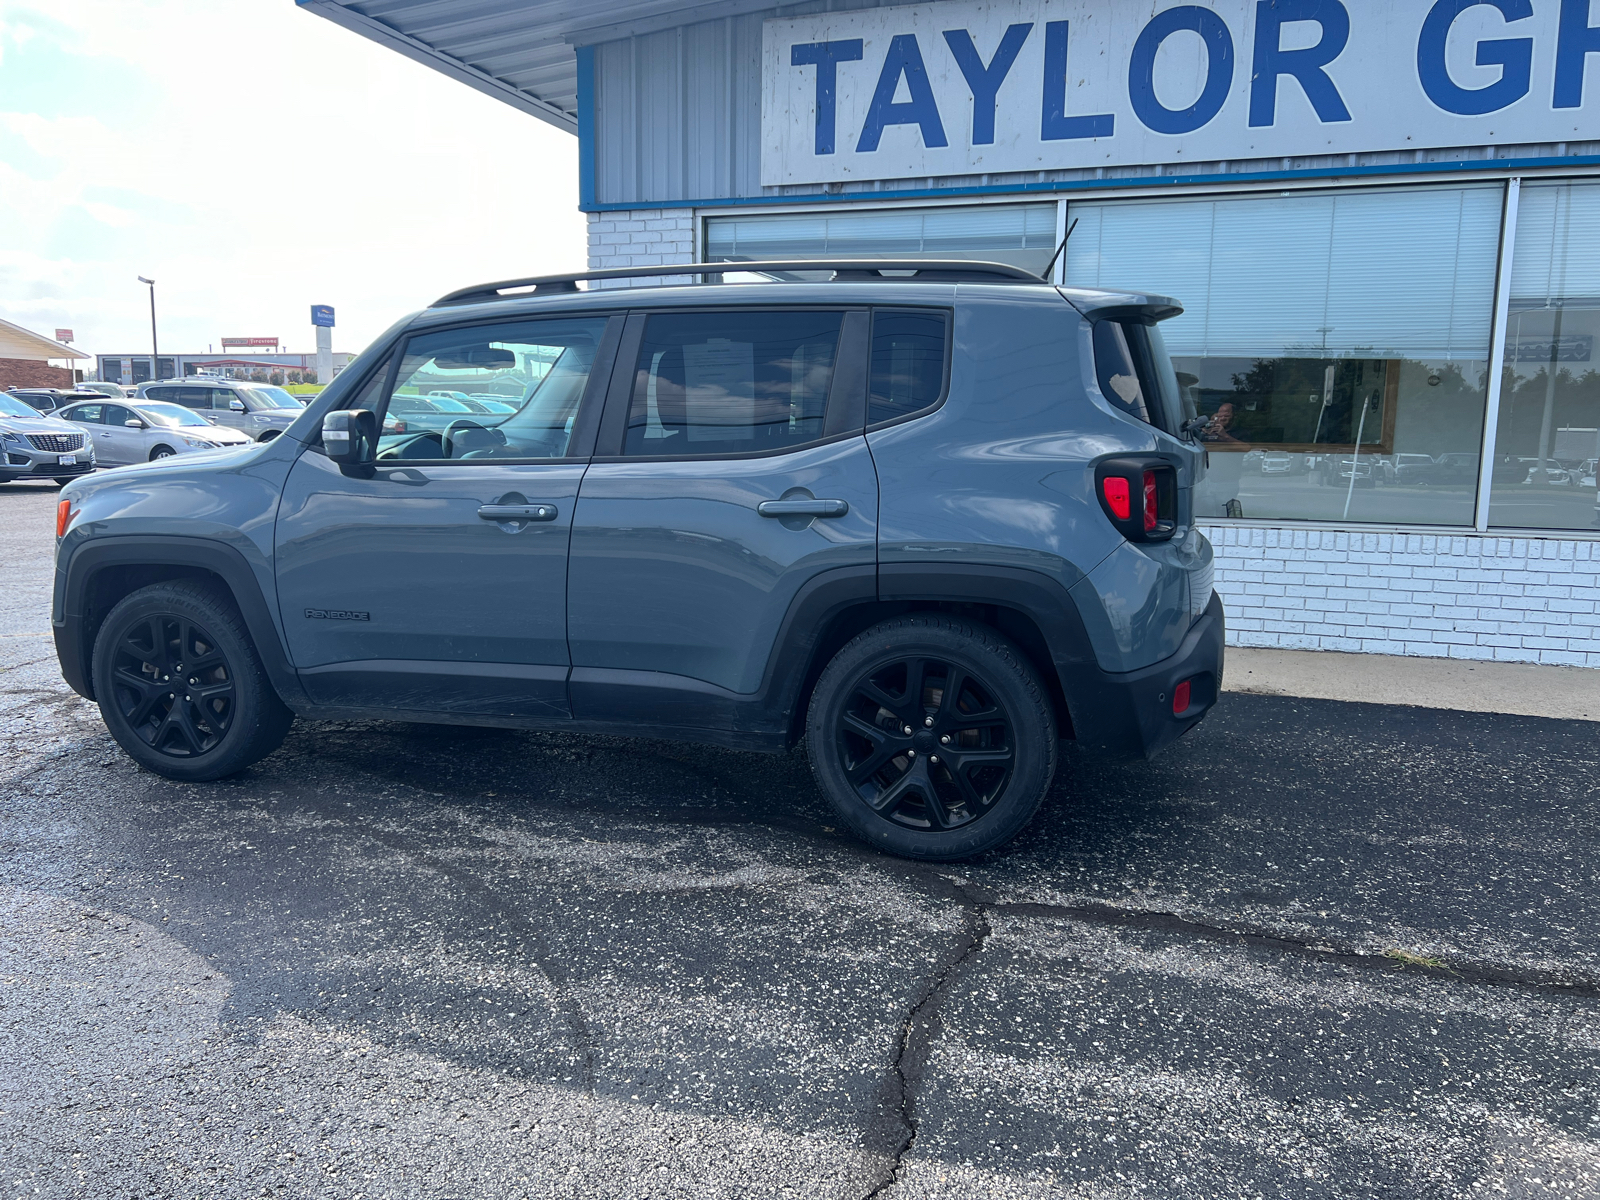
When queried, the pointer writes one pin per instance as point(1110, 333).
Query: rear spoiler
point(1142, 308)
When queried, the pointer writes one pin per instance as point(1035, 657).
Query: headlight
point(12, 437)
point(201, 443)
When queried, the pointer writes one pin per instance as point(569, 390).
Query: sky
point(253, 159)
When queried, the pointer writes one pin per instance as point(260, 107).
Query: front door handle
point(517, 512)
point(803, 508)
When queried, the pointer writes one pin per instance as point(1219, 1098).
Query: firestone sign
point(972, 87)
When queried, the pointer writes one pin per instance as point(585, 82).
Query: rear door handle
point(803, 508)
point(517, 512)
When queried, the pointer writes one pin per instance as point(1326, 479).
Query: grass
point(302, 389)
point(1407, 959)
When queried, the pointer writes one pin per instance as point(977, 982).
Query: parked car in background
point(114, 390)
point(260, 412)
point(49, 399)
point(1457, 467)
point(1554, 476)
point(1413, 469)
point(1338, 470)
point(1586, 472)
point(1281, 462)
point(146, 430)
point(34, 445)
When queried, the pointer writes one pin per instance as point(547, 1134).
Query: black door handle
point(517, 512)
point(803, 508)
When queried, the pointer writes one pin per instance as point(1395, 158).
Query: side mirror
point(134, 423)
point(236, 405)
point(349, 434)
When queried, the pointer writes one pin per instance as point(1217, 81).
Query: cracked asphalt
point(1317, 950)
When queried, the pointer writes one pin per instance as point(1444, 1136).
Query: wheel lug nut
point(911, 753)
point(908, 731)
point(933, 758)
point(945, 740)
point(928, 721)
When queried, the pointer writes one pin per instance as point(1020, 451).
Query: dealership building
point(1382, 219)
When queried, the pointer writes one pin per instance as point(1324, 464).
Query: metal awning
point(521, 52)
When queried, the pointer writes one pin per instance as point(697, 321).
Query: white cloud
point(254, 159)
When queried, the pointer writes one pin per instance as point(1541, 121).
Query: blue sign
point(322, 315)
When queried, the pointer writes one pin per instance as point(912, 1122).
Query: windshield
point(172, 414)
point(12, 407)
point(277, 397)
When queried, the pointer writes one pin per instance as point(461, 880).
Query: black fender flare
point(74, 624)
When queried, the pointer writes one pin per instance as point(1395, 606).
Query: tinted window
point(908, 354)
point(117, 415)
point(87, 414)
point(731, 383)
point(1135, 372)
point(189, 397)
point(540, 367)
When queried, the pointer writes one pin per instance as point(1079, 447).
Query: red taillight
point(64, 515)
point(1180, 699)
point(1120, 501)
point(1152, 516)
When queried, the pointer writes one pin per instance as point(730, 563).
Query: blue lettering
point(985, 81)
point(826, 57)
point(1514, 57)
point(1577, 40)
point(1271, 60)
point(1219, 70)
point(904, 58)
point(1055, 125)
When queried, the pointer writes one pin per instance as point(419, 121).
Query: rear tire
point(932, 738)
point(180, 685)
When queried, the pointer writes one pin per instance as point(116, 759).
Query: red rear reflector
point(1180, 694)
point(1118, 497)
point(63, 517)
point(1151, 516)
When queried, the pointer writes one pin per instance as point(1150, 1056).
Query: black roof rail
point(916, 270)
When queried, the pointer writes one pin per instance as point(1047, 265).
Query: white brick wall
point(645, 237)
point(1484, 597)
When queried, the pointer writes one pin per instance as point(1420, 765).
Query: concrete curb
point(1564, 693)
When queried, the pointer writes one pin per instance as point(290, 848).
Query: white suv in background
point(256, 410)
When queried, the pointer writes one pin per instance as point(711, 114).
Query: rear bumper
point(1130, 716)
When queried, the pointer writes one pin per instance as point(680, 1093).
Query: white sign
point(973, 87)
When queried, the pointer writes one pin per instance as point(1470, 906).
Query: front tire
point(161, 452)
point(180, 685)
point(932, 737)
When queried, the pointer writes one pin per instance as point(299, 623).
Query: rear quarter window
point(1135, 373)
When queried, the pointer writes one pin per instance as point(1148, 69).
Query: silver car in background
point(143, 431)
point(258, 410)
point(34, 445)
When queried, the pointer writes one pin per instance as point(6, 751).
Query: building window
point(1339, 342)
point(1023, 235)
point(1548, 436)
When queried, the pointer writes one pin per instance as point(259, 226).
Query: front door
point(115, 442)
point(737, 473)
point(435, 579)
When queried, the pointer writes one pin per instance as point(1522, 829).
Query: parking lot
point(1317, 949)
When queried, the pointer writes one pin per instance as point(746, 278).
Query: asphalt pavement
point(1318, 949)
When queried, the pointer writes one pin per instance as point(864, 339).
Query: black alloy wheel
point(932, 737)
point(180, 684)
point(925, 743)
point(173, 686)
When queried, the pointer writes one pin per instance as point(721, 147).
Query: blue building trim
point(587, 203)
point(586, 188)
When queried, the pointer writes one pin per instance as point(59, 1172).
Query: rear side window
point(1135, 373)
point(908, 362)
point(731, 383)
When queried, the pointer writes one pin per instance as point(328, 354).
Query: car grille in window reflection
point(56, 443)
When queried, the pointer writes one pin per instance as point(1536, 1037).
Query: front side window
point(731, 383)
point(118, 416)
point(908, 362)
point(537, 370)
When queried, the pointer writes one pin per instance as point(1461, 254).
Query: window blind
point(1021, 234)
point(1405, 273)
point(1557, 258)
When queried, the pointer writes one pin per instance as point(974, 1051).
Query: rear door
point(732, 471)
point(435, 580)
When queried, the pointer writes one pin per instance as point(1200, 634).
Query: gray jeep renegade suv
point(929, 516)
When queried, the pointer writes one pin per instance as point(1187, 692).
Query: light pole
point(155, 354)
